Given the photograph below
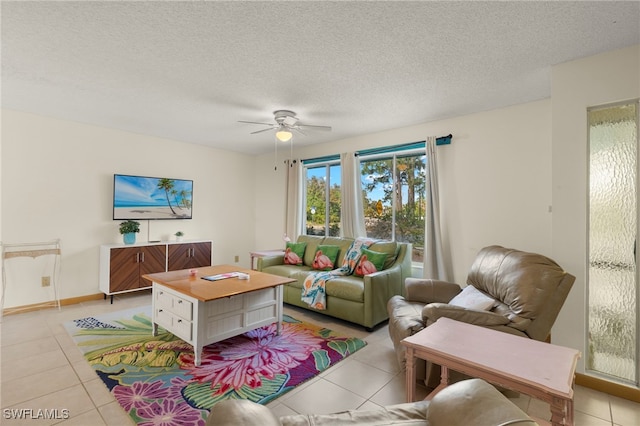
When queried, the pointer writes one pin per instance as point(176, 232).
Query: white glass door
point(613, 234)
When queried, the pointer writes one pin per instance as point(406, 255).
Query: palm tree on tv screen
point(167, 185)
point(184, 198)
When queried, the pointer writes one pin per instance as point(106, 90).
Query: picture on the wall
point(142, 197)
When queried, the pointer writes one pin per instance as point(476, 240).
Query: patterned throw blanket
point(313, 289)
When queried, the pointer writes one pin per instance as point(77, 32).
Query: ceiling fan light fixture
point(284, 135)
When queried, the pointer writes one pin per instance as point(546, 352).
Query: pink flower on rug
point(139, 393)
point(177, 384)
point(169, 413)
point(245, 360)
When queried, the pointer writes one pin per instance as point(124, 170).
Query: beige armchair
point(470, 402)
point(507, 290)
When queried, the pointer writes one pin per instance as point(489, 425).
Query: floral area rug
point(155, 380)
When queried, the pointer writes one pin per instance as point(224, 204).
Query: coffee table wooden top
point(543, 365)
point(204, 290)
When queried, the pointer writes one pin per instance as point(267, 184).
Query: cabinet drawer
point(164, 299)
point(183, 308)
point(174, 324)
point(182, 328)
point(174, 304)
point(163, 318)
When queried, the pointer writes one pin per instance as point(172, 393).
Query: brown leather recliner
point(528, 291)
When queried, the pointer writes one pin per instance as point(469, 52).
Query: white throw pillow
point(472, 298)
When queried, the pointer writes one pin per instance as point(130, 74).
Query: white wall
point(57, 179)
point(596, 80)
point(495, 180)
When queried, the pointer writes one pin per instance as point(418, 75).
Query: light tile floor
point(41, 368)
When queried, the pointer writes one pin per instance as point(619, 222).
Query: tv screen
point(141, 197)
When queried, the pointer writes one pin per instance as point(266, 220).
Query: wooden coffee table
point(540, 370)
point(202, 312)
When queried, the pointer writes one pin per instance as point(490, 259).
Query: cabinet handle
point(179, 321)
point(160, 310)
point(137, 257)
point(142, 257)
point(179, 302)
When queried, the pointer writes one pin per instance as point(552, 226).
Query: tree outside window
point(322, 204)
point(393, 188)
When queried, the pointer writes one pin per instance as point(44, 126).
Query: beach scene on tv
point(138, 197)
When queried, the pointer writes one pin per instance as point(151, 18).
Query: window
point(393, 189)
point(322, 198)
point(393, 186)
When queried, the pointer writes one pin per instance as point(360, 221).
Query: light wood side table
point(540, 370)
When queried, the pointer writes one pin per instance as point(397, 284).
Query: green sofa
point(361, 300)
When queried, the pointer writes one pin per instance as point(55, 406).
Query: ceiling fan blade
point(263, 130)
point(255, 122)
point(298, 130)
point(311, 126)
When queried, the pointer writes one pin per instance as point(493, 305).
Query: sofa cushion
point(293, 253)
point(312, 245)
point(288, 271)
point(370, 261)
point(343, 243)
point(299, 275)
point(389, 247)
point(325, 257)
point(347, 287)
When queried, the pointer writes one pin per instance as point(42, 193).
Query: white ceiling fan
point(285, 122)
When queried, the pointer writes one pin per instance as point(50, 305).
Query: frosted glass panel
point(612, 283)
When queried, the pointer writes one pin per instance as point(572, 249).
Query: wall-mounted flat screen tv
point(142, 197)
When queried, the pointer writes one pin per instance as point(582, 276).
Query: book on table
point(218, 277)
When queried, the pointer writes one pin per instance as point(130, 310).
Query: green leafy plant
point(179, 234)
point(129, 226)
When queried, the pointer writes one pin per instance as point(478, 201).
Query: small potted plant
point(179, 235)
point(128, 229)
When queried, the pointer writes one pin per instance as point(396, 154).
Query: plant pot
point(129, 238)
point(178, 238)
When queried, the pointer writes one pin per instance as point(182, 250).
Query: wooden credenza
point(122, 265)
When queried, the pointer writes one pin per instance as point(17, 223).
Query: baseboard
point(49, 305)
point(615, 389)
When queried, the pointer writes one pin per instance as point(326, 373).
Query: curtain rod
point(442, 140)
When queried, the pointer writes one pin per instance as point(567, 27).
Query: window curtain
point(434, 262)
point(352, 215)
point(293, 208)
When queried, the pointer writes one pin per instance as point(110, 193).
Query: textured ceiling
point(190, 70)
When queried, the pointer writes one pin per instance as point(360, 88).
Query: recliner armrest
point(430, 291)
point(434, 311)
point(232, 412)
point(474, 402)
